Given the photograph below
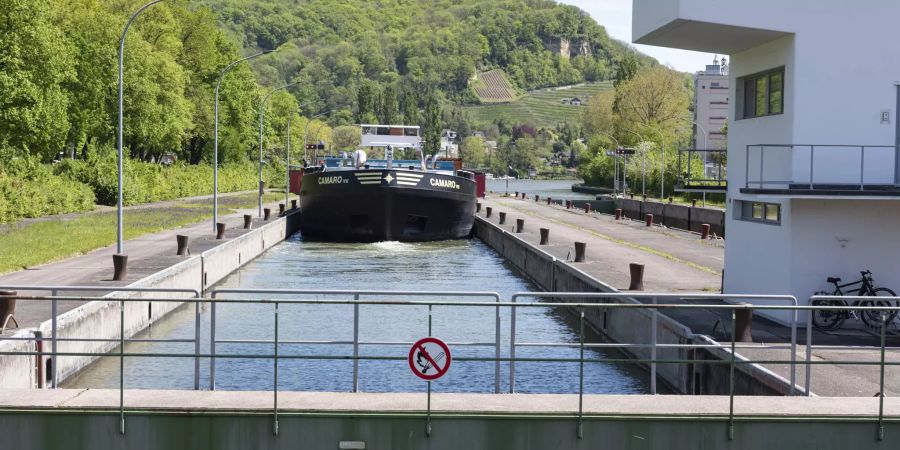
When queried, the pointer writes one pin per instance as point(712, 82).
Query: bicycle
point(834, 319)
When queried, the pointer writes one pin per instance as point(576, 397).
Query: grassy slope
point(542, 107)
point(51, 240)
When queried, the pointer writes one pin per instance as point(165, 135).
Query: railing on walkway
point(586, 302)
point(702, 170)
point(834, 167)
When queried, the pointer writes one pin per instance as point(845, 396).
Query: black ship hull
point(386, 205)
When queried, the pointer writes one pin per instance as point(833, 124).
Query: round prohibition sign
point(429, 358)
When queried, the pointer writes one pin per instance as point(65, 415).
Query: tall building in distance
point(711, 106)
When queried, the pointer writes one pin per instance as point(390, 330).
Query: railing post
point(812, 159)
point(197, 344)
point(512, 346)
point(762, 159)
point(862, 169)
point(212, 343)
point(653, 339)
point(793, 348)
point(731, 380)
point(881, 381)
point(807, 383)
point(581, 374)
point(275, 378)
point(122, 366)
point(53, 343)
point(747, 169)
point(356, 344)
point(497, 348)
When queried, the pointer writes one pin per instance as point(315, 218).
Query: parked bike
point(834, 319)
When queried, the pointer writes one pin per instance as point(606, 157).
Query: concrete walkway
point(678, 261)
point(147, 255)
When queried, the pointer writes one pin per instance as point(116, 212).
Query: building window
point(769, 213)
point(763, 94)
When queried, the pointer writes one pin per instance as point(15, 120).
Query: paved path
point(678, 261)
point(147, 255)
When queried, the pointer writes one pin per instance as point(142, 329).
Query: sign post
point(429, 359)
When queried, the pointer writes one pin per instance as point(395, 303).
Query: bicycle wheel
point(873, 318)
point(828, 320)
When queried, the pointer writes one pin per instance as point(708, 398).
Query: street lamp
point(120, 260)
point(262, 111)
point(216, 136)
point(616, 162)
point(662, 176)
point(643, 166)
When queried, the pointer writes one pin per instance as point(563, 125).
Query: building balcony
point(703, 25)
point(702, 170)
point(817, 171)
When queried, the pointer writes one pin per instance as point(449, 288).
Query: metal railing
point(820, 166)
point(714, 168)
point(614, 301)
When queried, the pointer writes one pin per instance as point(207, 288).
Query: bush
point(147, 182)
point(30, 189)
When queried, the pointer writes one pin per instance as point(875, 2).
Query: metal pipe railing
point(732, 361)
point(761, 181)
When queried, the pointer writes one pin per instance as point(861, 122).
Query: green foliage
point(30, 189)
point(432, 130)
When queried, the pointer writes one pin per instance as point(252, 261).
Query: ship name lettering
point(450, 184)
point(332, 180)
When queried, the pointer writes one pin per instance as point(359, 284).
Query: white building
point(449, 144)
point(812, 138)
point(711, 106)
point(398, 136)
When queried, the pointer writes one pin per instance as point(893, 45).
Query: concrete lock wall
point(675, 216)
point(633, 326)
point(101, 319)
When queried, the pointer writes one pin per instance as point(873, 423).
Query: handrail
point(629, 301)
point(813, 180)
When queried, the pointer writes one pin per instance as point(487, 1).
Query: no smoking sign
point(429, 358)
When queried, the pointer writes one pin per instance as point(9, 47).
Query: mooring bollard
point(694, 203)
point(671, 200)
point(649, 220)
point(7, 309)
point(266, 213)
point(478, 207)
point(549, 200)
point(293, 204)
point(587, 208)
point(120, 267)
point(568, 204)
point(520, 225)
point(488, 211)
point(618, 213)
point(281, 209)
point(502, 218)
point(517, 194)
point(743, 323)
point(537, 198)
point(704, 231)
point(183, 249)
point(545, 236)
point(637, 277)
point(523, 196)
point(579, 251)
point(220, 231)
point(248, 221)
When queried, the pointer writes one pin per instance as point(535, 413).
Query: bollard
point(281, 209)
point(587, 208)
point(743, 324)
point(120, 267)
point(183, 249)
point(579, 251)
point(248, 221)
point(694, 203)
point(7, 309)
point(649, 220)
point(545, 236)
point(502, 218)
point(523, 196)
point(618, 213)
point(537, 198)
point(637, 277)
point(293, 204)
point(568, 204)
point(520, 225)
point(549, 200)
point(704, 231)
point(478, 207)
point(266, 213)
point(220, 231)
point(488, 211)
point(517, 194)
point(671, 199)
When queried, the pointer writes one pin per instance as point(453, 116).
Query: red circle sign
point(429, 358)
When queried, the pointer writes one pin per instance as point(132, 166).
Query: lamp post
point(643, 166)
point(662, 176)
point(305, 131)
point(262, 112)
point(120, 259)
point(216, 134)
point(616, 161)
point(287, 158)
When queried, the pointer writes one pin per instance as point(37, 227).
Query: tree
point(626, 68)
point(473, 151)
point(598, 116)
point(346, 137)
point(655, 97)
point(388, 109)
point(410, 108)
point(366, 99)
point(432, 132)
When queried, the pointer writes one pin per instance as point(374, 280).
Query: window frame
point(746, 208)
point(749, 85)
